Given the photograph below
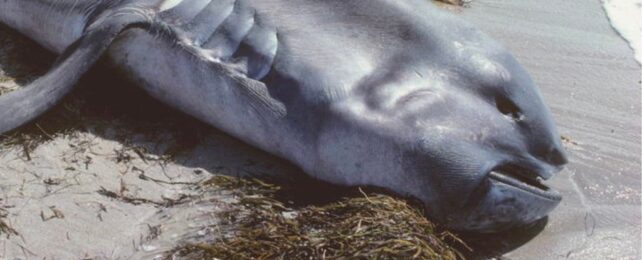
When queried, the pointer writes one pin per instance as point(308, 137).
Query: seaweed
point(4, 227)
point(372, 226)
point(455, 2)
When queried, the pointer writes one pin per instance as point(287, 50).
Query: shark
point(393, 94)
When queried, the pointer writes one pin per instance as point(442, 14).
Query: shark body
point(394, 94)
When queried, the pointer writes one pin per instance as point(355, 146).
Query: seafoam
point(626, 18)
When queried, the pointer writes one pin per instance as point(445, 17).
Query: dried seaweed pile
point(370, 226)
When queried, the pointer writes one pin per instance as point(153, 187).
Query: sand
point(108, 189)
point(59, 199)
point(591, 82)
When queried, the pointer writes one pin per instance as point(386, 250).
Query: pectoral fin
point(23, 105)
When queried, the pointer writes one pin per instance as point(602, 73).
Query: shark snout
point(549, 160)
point(556, 157)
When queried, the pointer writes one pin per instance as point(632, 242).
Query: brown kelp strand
point(373, 226)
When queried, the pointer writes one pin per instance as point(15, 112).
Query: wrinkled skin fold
point(394, 94)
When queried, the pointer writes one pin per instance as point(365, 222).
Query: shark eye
point(508, 108)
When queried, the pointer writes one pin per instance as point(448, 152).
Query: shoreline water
point(625, 16)
point(591, 82)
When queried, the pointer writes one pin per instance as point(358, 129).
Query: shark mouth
point(524, 179)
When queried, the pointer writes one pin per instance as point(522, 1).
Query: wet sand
point(591, 82)
point(585, 72)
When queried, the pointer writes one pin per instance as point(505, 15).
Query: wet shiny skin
point(394, 94)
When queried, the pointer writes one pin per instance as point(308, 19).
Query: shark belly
point(207, 89)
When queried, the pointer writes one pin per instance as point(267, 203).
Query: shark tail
point(25, 104)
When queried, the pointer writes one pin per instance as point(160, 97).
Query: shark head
point(374, 92)
point(459, 125)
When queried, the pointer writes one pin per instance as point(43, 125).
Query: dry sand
point(585, 71)
point(108, 189)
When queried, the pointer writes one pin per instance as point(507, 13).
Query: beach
point(125, 176)
point(591, 82)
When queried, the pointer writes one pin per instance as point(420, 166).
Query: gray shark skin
point(388, 93)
